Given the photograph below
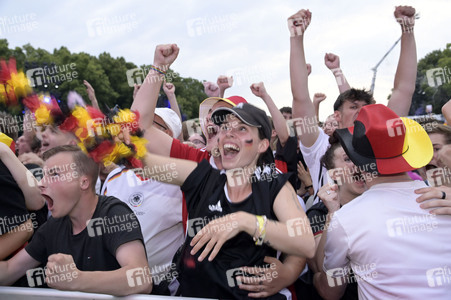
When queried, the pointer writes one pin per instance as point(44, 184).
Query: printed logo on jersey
point(136, 199)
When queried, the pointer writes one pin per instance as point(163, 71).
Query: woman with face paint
point(238, 216)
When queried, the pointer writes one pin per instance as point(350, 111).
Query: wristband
point(158, 70)
point(261, 221)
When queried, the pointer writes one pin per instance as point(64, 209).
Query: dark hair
point(285, 109)
point(353, 95)
point(85, 165)
point(327, 160)
point(441, 129)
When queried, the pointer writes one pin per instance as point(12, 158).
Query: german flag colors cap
point(382, 141)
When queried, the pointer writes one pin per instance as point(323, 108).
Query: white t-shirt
point(396, 249)
point(312, 156)
point(158, 207)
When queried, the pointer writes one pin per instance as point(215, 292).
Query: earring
point(215, 152)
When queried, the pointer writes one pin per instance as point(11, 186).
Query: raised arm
point(91, 94)
point(406, 72)
point(280, 125)
point(159, 166)
point(146, 98)
point(302, 105)
point(332, 62)
point(24, 179)
point(224, 83)
point(169, 90)
point(317, 99)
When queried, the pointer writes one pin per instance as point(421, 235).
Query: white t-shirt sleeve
point(312, 156)
point(336, 261)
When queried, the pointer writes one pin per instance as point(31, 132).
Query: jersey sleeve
point(123, 227)
point(182, 151)
point(37, 247)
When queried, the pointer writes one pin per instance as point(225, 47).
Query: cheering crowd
point(240, 205)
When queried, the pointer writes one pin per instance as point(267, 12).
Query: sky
point(246, 39)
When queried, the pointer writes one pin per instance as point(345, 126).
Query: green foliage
point(431, 91)
point(106, 74)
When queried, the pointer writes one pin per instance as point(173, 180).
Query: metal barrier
point(19, 293)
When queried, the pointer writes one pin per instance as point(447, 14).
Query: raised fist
point(405, 15)
point(298, 23)
point(319, 97)
point(165, 55)
point(211, 89)
point(332, 61)
point(225, 82)
point(258, 89)
point(168, 88)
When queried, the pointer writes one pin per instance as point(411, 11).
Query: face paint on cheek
point(249, 142)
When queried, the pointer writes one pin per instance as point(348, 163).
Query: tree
point(433, 81)
point(107, 75)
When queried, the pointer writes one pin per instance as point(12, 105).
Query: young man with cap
point(395, 248)
point(228, 211)
point(314, 141)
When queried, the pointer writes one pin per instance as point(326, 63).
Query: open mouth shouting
point(230, 150)
point(49, 201)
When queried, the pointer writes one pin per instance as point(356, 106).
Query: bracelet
point(261, 222)
point(152, 67)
